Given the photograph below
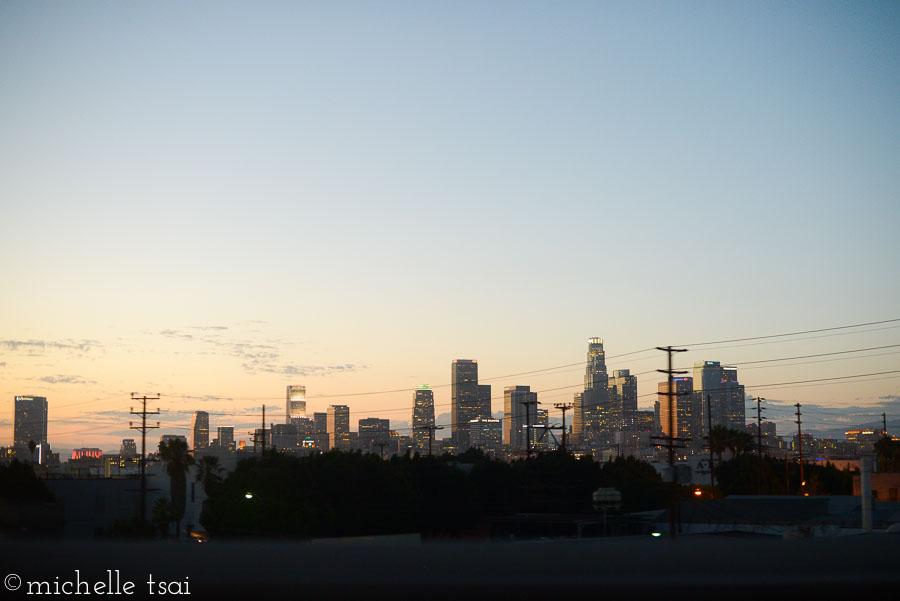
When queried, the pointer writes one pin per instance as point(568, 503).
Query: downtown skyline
point(215, 202)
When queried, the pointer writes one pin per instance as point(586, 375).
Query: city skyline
point(855, 416)
point(215, 203)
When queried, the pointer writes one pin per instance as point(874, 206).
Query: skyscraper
point(465, 404)
point(594, 419)
point(422, 419)
point(339, 427)
point(519, 410)
point(685, 412)
point(30, 421)
point(200, 430)
point(623, 397)
point(487, 435)
point(726, 395)
point(225, 436)
point(296, 403)
point(375, 436)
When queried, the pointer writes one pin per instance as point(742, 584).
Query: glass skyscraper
point(422, 419)
point(594, 419)
point(30, 421)
point(296, 403)
point(200, 430)
point(465, 403)
point(717, 387)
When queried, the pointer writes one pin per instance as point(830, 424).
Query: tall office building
point(321, 421)
point(716, 386)
point(30, 421)
point(200, 430)
point(296, 403)
point(519, 410)
point(339, 427)
point(594, 419)
point(225, 438)
point(484, 401)
point(128, 448)
point(375, 436)
point(685, 412)
point(465, 402)
point(487, 435)
point(422, 419)
point(623, 398)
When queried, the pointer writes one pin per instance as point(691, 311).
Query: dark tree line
point(352, 494)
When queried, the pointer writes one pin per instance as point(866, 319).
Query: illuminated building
point(519, 410)
point(422, 419)
point(487, 435)
point(225, 437)
point(593, 422)
point(685, 418)
point(200, 430)
point(375, 435)
point(338, 427)
point(30, 421)
point(296, 403)
point(128, 448)
point(623, 396)
point(465, 402)
point(716, 386)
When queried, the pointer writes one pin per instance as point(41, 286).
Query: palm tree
point(209, 473)
point(178, 461)
point(718, 440)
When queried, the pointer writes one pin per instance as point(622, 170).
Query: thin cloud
point(38, 346)
point(63, 379)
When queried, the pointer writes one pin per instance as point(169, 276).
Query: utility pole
point(670, 443)
point(381, 446)
point(527, 404)
point(759, 411)
point(431, 430)
point(884, 424)
point(800, 450)
point(712, 480)
point(260, 438)
point(563, 407)
point(143, 430)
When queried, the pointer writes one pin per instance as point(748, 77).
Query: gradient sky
point(223, 198)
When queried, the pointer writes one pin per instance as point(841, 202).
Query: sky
point(215, 200)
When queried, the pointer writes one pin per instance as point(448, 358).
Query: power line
point(856, 325)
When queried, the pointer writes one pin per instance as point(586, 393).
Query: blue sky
point(391, 186)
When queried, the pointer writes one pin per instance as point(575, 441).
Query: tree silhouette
point(178, 461)
point(888, 451)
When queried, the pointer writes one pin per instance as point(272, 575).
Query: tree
point(722, 438)
point(888, 451)
point(31, 447)
point(209, 473)
point(178, 461)
point(161, 515)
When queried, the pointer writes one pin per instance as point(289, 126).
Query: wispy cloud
point(37, 347)
point(63, 379)
point(256, 356)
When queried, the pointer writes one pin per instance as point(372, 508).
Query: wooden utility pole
point(671, 438)
point(143, 430)
point(563, 407)
point(712, 480)
point(527, 404)
point(800, 451)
